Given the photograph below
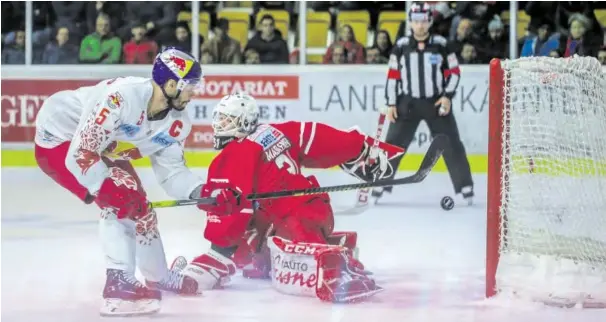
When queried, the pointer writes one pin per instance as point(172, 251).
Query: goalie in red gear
point(265, 158)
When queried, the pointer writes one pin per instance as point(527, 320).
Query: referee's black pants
point(401, 133)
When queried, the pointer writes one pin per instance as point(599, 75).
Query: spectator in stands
point(225, 49)
point(373, 56)
point(578, 42)
point(468, 54)
point(14, 53)
point(293, 58)
point(102, 46)
point(182, 37)
point(602, 55)
point(268, 42)
point(383, 43)
point(338, 55)
point(567, 9)
point(139, 50)
point(538, 12)
point(554, 54)
point(60, 51)
point(113, 9)
point(347, 39)
point(442, 19)
point(206, 57)
point(479, 14)
point(535, 45)
point(43, 20)
point(497, 45)
point(251, 57)
point(69, 14)
point(463, 35)
point(158, 17)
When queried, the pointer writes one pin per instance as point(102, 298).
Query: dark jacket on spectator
point(142, 52)
point(184, 45)
point(224, 52)
point(586, 46)
point(274, 51)
point(538, 12)
point(114, 9)
point(55, 54)
point(69, 12)
point(161, 13)
point(13, 55)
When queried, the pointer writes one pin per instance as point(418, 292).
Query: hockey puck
point(447, 203)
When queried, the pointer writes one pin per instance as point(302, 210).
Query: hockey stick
point(439, 143)
point(362, 194)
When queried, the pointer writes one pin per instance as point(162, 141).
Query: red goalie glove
point(228, 198)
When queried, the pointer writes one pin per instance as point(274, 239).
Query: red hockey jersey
point(270, 159)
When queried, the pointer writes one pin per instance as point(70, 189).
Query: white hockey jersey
point(110, 120)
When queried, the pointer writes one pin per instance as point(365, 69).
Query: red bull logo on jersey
point(179, 65)
point(115, 100)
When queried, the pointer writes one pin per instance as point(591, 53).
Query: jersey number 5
point(285, 161)
point(102, 116)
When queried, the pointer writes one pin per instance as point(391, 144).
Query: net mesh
point(553, 180)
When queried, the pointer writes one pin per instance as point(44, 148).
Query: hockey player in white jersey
point(84, 141)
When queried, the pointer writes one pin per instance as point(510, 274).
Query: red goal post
point(546, 206)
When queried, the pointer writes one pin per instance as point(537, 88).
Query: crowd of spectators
point(108, 32)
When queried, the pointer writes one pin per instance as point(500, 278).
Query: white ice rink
point(430, 262)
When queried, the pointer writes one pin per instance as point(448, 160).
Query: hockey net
point(546, 237)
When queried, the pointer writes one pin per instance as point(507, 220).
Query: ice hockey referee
point(421, 82)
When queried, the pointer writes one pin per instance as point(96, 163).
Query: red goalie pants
point(311, 222)
point(52, 162)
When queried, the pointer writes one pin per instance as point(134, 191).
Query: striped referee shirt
point(429, 73)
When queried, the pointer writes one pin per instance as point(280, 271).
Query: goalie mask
point(234, 117)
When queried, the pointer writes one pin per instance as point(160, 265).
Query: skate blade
point(124, 308)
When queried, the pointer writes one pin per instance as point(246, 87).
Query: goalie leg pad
point(341, 280)
point(318, 270)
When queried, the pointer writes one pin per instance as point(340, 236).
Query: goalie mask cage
point(546, 212)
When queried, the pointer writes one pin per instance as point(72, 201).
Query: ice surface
point(431, 262)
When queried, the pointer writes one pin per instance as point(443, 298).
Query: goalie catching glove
point(374, 161)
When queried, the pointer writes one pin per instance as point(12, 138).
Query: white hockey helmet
point(235, 116)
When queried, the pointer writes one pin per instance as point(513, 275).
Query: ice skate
point(377, 193)
point(123, 295)
point(467, 195)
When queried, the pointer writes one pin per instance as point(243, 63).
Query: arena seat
point(390, 21)
point(359, 22)
point(237, 4)
point(204, 24)
point(318, 27)
point(238, 24)
point(315, 59)
point(282, 18)
point(523, 22)
point(600, 14)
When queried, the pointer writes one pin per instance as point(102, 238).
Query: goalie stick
point(361, 204)
point(439, 143)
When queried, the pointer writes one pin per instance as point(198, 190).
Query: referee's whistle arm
point(392, 113)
